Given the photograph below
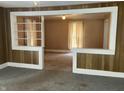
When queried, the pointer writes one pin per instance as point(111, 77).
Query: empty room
point(61, 46)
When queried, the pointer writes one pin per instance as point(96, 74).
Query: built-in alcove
point(29, 30)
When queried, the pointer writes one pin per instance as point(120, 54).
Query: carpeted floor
point(58, 61)
point(51, 79)
point(27, 79)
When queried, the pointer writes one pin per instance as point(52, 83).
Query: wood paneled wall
point(96, 62)
point(19, 56)
point(117, 60)
point(2, 40)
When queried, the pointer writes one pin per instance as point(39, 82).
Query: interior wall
point(106, 33)
point(2, 40)
point(56, 34)
point(93, 33)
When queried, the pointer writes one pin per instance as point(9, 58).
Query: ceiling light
point(35, 3)
point(63, 17)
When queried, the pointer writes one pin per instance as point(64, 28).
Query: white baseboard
point(56, 50)
point(99, 73)
point(23, 65)
point(75, 70)
point(4, 65)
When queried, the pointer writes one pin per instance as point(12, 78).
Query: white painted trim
point(94, 51)
point(39, 49)
point(113, 10)
point(99, 73)
point(23, 65)
point(112, 39)
point(42, 32)
point(57, 50)
point(74, 63)
point(93, 72)
point(41, 58)
point(27, 48)
point(4, 65)
point(110, 51)
point(61, 12)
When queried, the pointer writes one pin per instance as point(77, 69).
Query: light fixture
point(35, 3)
point(63, 17)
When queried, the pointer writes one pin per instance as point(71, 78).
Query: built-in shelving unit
point(29, 30)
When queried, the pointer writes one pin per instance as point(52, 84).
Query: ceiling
point(8, 4)
point(80, 16)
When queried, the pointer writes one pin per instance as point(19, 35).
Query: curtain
point(75, 34)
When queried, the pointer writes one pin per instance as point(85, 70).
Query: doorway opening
point(58, 56)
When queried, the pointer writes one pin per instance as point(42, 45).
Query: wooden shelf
point(29, 23)
point(26, 36)
point(28, 31)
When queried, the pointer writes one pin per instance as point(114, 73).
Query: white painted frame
point(113, 25)
point(111, 51)
point(15, 46)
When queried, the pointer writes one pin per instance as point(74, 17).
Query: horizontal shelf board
point(28, 31)
point(29, 38)
point(30, 23)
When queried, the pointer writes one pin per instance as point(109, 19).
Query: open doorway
point(57, 53)
point(66, 32)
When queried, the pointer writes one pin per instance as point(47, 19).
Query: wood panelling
point(2, 40)
point(107, 62)
point(96, 62)
point(29, 57)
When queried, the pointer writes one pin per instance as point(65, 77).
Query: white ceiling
point(42, 3)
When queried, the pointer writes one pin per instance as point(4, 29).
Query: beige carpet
point(56, 76)
point(58, 61)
